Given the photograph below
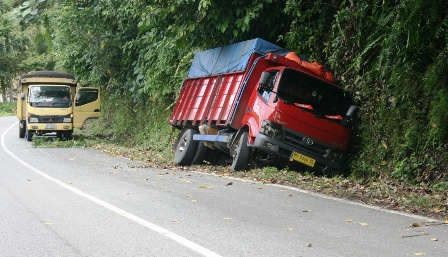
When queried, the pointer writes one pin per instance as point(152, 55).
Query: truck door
point(86, 106)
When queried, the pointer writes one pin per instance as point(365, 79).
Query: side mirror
point(350, 115)
point(264, 78)
point(22, 96)
point(352, 111)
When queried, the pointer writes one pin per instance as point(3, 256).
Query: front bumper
point(282, 149)
point(49, 127)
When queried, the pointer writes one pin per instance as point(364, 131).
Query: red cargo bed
point(207, 99)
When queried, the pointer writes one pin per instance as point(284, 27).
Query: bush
point(7, 109)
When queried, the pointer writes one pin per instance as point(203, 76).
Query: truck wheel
point(186, 148)
point(241, 153)
point(67, 135)
point(29, 135)
point(200, 154)
point(22, 130)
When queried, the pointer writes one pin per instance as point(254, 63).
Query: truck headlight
point(34, 119)
point(67, 120)
point(272, 130)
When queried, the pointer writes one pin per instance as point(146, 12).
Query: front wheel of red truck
point(240, 153)
point(185, 148)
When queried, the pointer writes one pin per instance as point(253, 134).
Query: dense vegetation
point(391, 54)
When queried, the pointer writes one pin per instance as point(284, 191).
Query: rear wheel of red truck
point(200, 154)
point(240, 153)
point(186, 148)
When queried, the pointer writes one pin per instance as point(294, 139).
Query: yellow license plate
point(303, 159)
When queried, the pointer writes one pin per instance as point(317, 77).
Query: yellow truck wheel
point(22, 129)
point(29, 135)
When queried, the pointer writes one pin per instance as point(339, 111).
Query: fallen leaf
point(309, 245)
point(363, 224)
point(415, 224)
point(69, 183)
point(194, 201)
point(204, 186)
point(434, 239)
point(226, 218)
point(290, 229)
point(48, 223)
point(420, 254)
point(229, 184)
point(348, 220)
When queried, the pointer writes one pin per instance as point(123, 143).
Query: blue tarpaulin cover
point(230, 58)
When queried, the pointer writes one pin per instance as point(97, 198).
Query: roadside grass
point(386, 192)
point(48, 142)
point(7, 109)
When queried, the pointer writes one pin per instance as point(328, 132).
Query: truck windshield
point(304, 90)
point(46, 96)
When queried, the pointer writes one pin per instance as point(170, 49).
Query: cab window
point(86, 96)
point(265, 91)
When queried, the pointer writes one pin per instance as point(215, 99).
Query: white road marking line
point(177, 238)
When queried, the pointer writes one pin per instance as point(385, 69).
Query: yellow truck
point(50, 102)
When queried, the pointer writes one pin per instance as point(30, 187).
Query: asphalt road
point(82, 202)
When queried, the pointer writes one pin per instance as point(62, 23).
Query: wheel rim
point(182, 144)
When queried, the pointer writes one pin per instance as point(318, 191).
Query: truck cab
point(300, 117)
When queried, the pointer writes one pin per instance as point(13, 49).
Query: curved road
point(82, 202)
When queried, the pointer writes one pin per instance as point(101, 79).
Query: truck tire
point(241, 153)
point(200, 154)
point(29, 135)
point(67, 135)
point(22, 130)
point(186, 148)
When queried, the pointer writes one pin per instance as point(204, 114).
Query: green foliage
point(7, 109)
point(438, 117)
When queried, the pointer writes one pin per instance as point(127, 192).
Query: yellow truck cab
point(52, 102)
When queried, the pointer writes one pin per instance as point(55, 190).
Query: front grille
point(294, 139)
point(51, 119)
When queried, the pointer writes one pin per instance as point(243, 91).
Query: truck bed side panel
point(207, 99)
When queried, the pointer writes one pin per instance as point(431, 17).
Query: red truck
point(254, 98)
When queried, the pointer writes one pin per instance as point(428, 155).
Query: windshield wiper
point(333, 117)
point(304, 106)
point(300, 105)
